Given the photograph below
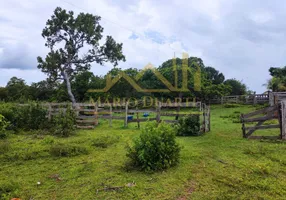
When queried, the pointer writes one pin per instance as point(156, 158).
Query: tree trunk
point(68, 84)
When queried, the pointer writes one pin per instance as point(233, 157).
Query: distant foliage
point(189, 126)
point(3, 125)
point(155, 149)
point(63, 124)
point(67, 150)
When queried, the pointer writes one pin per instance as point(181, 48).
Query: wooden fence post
point(126, 115)
point(110, 116)
point(283, 120)
point(243, 126)
point(137, 116)
point(96, 113)
point(158, 116)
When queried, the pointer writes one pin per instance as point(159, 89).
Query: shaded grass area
point(218, 165)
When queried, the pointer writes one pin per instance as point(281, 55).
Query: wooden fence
point(88, 114)
point(241, 99)
point(277, 112)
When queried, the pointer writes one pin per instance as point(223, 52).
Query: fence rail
point(277, 111)
point(88, 114)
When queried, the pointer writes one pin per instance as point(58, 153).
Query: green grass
point(218, 165)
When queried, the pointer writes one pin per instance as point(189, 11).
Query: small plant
point(64, 123)
point(3, 125)
point(155, 149)
point(104, 141)
point(9, 190)
point(189, 126)
point(4, 147)
point(48, 140)
point(67, 150)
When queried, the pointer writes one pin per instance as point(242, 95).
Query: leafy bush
point(189, 126)
point(63, 124)
point(104, 141)
point(155, 149)
point(26, 117)
point(3, 126)
point(67, 150)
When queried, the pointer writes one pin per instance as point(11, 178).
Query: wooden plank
point(141, 111)
point(85, 117)
point(263, 127)
point(85, 127)
point(264, 110)
point(141, 120)
point(86, 121)
point(258, 119)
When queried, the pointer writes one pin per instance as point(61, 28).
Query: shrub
point(26, 117)
point(155, 149)
point(67, 150)
point(3, 126)
point(63, 124)
point(104, 141)
point(189, 126)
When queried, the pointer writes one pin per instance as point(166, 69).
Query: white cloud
point(240, 38)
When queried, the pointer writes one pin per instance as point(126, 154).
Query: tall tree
point(17, 90)
point(278, 81)
point(214, 75)
point(69, 37)
point(237, 87)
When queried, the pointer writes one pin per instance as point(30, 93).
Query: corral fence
point(277, 111)
point(271, 98)
point(241, 99)
point(88, 114)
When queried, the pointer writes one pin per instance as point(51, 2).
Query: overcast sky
point(240, 38)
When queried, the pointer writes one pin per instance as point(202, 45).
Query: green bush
point(3, 125)
point(189, 126)
point(67, 150)
point(26, 117)
point(155, 149)
point(104, 141)
point(63, 124)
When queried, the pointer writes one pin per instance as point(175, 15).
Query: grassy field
point(218, 165)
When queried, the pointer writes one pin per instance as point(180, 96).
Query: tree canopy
point(68, 37)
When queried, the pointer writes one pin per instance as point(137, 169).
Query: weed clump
point(104, 141)
point(67, 150)
point(155, 149)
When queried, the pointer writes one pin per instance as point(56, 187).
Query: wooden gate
point(261, 116)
